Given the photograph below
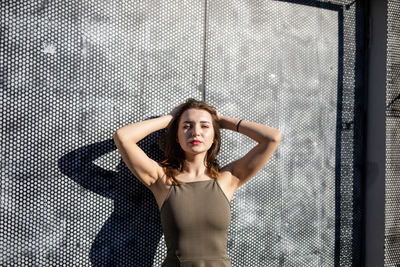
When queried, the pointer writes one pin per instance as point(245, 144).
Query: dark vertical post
point(376, 134)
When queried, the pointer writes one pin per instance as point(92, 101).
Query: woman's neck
point(194, 166)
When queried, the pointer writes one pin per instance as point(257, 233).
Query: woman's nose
point(195, 130)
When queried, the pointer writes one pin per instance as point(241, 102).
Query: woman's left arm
point(268, 139)
point(256, 131)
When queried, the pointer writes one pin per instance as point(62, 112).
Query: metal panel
point(291, 65)
point(392, 170)
point(73, 72)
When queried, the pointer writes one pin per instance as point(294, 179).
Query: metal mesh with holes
point(392, 184)
point(73, 72)
point(290, 66)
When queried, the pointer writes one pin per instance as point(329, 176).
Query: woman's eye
point(186, 126)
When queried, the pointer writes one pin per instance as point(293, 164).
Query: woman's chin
point(195, 150)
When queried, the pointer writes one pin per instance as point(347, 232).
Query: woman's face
point(195, 124)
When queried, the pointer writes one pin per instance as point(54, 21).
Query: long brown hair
point(174, 156)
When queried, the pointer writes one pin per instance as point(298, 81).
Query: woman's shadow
point(131, 234)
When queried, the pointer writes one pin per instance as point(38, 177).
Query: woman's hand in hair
point(218, 118)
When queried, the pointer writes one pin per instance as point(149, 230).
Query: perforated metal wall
point(294, 65)
point(73, 72)
point(392, 170)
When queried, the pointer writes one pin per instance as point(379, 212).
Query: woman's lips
point(195, 142)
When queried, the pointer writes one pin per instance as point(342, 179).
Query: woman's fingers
point(218, 117)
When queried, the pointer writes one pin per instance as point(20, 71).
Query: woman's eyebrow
point(192, 121)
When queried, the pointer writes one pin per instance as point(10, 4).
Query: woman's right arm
point(144, 168)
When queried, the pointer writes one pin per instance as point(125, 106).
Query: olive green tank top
point(195, 218)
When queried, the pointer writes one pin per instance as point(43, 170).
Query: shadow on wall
point(131, 234)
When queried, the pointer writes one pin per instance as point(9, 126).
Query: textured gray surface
point(392, 168)
point(275, 64)
point(74, 72)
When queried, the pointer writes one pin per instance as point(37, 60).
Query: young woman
point(192, 192)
